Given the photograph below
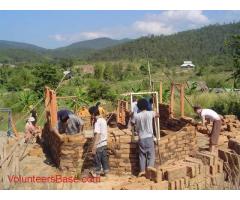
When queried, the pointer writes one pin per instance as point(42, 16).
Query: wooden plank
point(171, 107)
point(11, 151)
point(5, 170)
point(182, 100)
point(53, 108)
point(160, 92)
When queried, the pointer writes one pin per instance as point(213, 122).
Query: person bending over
point(208, 115)
point(69, 123)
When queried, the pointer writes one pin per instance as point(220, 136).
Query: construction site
point(183, 161)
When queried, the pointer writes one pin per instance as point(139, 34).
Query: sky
point(52, 29)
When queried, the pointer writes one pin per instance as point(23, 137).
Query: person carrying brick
point(208, 115)
point(99, 148)
point(144, 129)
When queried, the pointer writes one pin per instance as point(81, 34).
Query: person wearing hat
point(30, 129)
point(99, 149)
point(208, 115)
point(69, 123)
point(33, 113)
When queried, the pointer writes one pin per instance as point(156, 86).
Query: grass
point(141, 83)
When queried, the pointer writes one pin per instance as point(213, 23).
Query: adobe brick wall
point(65, 151)
point(68, 151)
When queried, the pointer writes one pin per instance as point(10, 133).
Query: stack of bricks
point(199, 172)
point(230, 123)
point(204, 171)
point(234, 144)
point(231, 158)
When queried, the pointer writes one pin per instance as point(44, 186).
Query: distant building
point(187, 64)
point(1, 64)
point(86, 69)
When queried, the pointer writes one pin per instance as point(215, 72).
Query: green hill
point(11, 52)
point(85, 48)
point(204, 46)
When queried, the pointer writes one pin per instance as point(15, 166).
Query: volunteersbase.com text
point(52, 179)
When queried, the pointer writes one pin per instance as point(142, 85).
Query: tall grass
point(223, 103)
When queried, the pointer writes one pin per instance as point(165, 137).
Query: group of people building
point(142, 117)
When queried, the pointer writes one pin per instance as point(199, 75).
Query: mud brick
point(177, 184)
point(219, 178)
point(126, 140)
point(213, 169)
point(172, 185)
point(181, 142)
point(197, 161)
point(206, 158)
point(163, 185)
point(206, 169)
point(163, 141)
point(220, 166)
point(127, 146)
point(127, 160)
point(127, 164)
point(176, 173)
point(191, 170)
point(129, 155)
point(186, 182)
point(182, 184)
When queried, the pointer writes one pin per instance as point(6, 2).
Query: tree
point(66, 64)
point(234, 44)
point(98, 90)
point(98, 73)
point(108, 72)
point(46, 75)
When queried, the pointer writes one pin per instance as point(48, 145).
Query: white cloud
point(58, 37)
point(192, 16)
point(152, 27)
point(78, 36)
point(165, 22)
point(168, 22)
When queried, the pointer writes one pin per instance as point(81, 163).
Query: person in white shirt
point(207, 116)
point(144, 129)
point(99, 148)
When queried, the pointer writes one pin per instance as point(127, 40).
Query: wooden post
point(152, 84)
point(182, 100)
point(172, 100)
point(160, 92)
point(53, 108)
point(150, 77)
point(47, 102)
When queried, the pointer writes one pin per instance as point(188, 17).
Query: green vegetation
point(124, 68)
point(203, 46)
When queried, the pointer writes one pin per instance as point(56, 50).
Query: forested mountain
point(20, 52)
point(11, 52)
point(203, 46)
